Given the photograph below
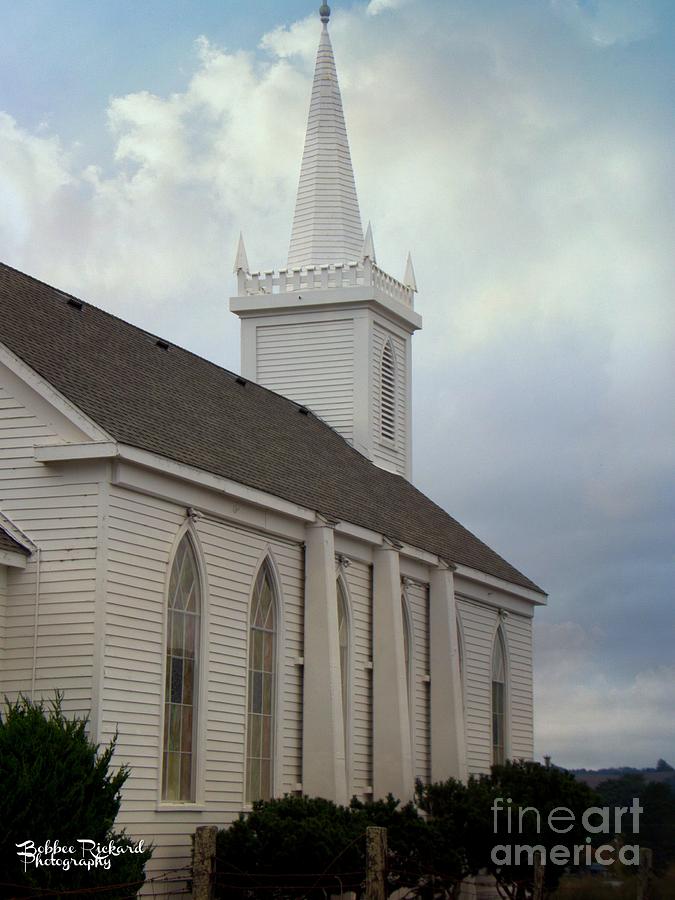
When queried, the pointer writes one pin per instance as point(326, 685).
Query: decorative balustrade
point(317, 278)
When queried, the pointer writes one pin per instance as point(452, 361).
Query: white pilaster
point(392, 751)
point(323, 742)
point(448, 755)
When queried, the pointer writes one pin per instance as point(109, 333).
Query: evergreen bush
point(56, 785)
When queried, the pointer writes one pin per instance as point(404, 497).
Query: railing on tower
point(321, 278)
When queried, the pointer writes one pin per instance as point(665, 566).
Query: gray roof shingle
point(178, 405)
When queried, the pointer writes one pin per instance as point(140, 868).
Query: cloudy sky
point(523, 150)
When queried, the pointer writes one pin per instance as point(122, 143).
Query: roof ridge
point(172, 344)
point(189, 409)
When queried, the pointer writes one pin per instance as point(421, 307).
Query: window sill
point(180, 807)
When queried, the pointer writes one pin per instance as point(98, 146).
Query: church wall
point(394, 455)
point(519, 644)
point(359, 584)
point(479, 624)
point(58, 511)
point(418, 603)
point(142, 536)
point(311, 362)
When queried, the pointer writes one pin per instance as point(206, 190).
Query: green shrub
point(300, 847)
point(55, 785)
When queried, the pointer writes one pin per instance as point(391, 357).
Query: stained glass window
point(498, 702)
point(261, 689)
point(180, 690)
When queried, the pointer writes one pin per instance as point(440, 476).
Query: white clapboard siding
point(358, 577)
point(141, 534)
point(418, 604)
point(392, 453)
point(519, 645)
point(313, 364)
point(479, 624)
point(61, 517)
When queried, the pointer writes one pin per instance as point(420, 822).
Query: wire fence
point(170, 883)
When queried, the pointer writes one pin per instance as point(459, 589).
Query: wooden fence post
point(644, 887)
point(539, 876)
point(376, 855)
point(203, 862)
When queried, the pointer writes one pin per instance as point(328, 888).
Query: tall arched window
point(388, 393)
point(498, 701)
point(407, 647)
point(182, 659)
point(343, 639)
point(261, 688)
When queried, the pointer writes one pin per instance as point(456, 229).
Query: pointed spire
point(327, 224)
point(368, 251)
point(241, 260)
point(409, 279)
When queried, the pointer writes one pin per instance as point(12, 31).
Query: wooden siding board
point(142, 533)
point(59, 513)
point(358, 578)
point(313, 364)
point(418, 604)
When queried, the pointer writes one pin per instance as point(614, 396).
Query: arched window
point(182, 660)
point(343, 639)
point(388, 393)
point(407, 648)
point(498, 701)
point(261, 688)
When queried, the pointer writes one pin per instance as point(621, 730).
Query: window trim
point(461, 651)
point(411, 681)
point(267, 559)
point(201, 692)
point(500, 640)
point(386, 439)
point(341, 582)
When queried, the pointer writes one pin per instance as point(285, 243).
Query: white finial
point(369, 246)
point(324, 13)
point(241, 260)
point(409, 279)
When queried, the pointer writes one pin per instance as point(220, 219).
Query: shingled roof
point(173, 403)
point(9, 545)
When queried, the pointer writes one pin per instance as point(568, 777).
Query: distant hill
point(663, 772)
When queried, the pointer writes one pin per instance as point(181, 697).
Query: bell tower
point(332, 331)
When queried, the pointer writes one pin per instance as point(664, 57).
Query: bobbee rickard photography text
point(83, 854)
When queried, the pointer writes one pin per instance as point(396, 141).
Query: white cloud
point(377, 6)
point(609, 22)
point(586, 717)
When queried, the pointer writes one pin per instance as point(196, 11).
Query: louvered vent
point(388, 393)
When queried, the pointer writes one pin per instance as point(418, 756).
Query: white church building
point(236, 571)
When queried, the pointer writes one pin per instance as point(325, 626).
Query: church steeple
point(333, 331)
point(327, 223)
